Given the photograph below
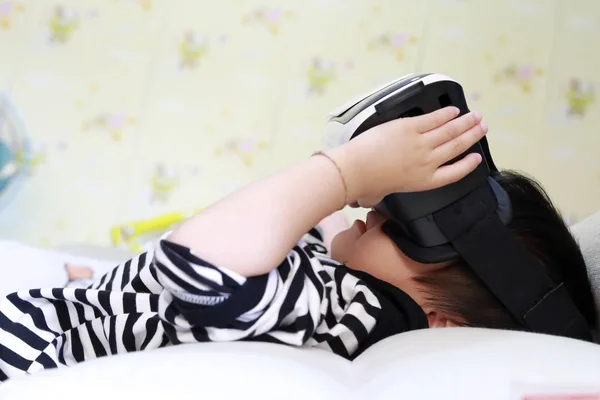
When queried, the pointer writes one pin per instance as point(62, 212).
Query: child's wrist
point(336, 182)
point(344, 159)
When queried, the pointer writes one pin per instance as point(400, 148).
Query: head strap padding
point(517, 279)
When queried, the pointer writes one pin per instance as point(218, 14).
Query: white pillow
point(450, 363)
point(587, 233)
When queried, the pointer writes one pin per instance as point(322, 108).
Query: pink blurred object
point(525, 72)
point(5, 8)
point(399, 40)
point(273, 15)
point(563, 397)
point(116, 120)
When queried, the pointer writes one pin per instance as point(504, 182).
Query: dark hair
point(460, 295)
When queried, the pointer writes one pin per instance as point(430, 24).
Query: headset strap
point(514, 276)
point(488, 156)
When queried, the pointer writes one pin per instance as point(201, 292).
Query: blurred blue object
point(7, 166)
point(14, 151)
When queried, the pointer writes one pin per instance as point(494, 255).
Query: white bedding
point(26, 267)
point(459, 363)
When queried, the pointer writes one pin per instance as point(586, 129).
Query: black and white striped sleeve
point(306, 301)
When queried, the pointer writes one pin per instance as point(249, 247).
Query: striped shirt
point(168, 296)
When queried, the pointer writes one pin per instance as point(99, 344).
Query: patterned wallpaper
point(141, 108)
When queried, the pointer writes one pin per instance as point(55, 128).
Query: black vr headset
point(466, 219)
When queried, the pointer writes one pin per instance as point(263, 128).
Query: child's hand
point(407, 155)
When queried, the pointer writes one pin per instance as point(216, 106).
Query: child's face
point(365, 247)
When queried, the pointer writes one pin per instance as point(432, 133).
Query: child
point(245, 269)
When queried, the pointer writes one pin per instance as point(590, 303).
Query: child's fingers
point(452, 129)
point(459, 144)
point(448, 174)
point(425, 123)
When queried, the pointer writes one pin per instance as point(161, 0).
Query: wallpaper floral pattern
point(138, 108)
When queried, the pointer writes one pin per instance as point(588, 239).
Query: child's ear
point(437, 320)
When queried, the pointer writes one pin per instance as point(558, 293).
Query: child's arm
point(308, 299)
point(252, 230)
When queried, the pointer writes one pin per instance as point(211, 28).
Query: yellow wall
point(130, 119)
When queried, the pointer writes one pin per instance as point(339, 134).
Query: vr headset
point(466, 219)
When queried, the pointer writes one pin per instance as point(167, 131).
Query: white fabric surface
point(587, 233)
point(436, 364)
point(27, 267)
